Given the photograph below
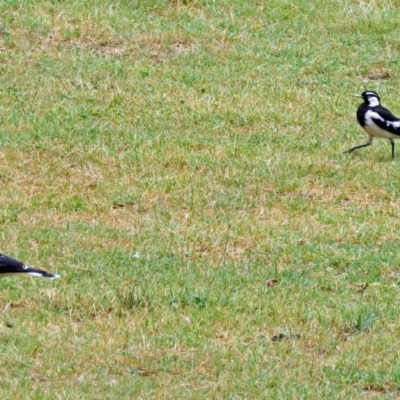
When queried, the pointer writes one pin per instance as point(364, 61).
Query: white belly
point(375, 131)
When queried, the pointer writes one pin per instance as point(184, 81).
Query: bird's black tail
point(38, 272)
point(11, 266)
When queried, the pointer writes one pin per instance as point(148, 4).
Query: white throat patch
point(373, 101)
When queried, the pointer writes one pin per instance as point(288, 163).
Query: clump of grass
point(135, 296)
point(365, 321)
point(190, 298)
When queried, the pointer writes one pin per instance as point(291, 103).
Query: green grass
point(207, 137)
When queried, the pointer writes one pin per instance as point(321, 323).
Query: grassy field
point(180, 164)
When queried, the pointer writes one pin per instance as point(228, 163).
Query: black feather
point(11, 266)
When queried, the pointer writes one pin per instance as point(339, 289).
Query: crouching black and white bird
point(10, 266)
point(376, 120)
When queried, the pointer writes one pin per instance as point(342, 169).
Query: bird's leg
point(362, 145)
point(392, 143)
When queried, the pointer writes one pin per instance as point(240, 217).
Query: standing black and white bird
point(376, 120)
point(10, 266)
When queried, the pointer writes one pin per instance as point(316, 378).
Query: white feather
point(373, 101)
point(374, 130)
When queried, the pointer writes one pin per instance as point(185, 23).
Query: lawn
point(180, 164)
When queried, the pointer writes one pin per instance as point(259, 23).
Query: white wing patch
point(372, 114)
point(395, 124)
point(374, 130)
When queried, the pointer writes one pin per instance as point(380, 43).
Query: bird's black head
point(370, 97)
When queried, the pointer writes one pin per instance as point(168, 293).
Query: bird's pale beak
point(357, 95)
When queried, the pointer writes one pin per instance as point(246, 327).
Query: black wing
point(11, 266)
point(386, 120)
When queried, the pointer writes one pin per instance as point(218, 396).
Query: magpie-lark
point(10, 266)
point(376, 120)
